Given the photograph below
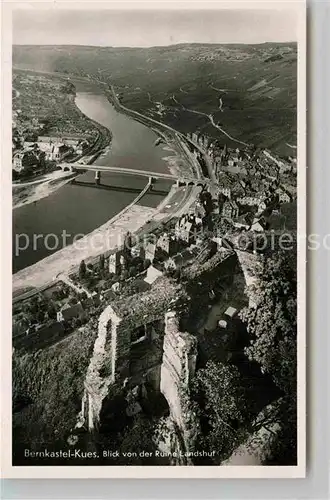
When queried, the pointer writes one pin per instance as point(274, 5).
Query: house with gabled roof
point(152, 274)
point(68, 312)
point(230, 209)
point(243, 221)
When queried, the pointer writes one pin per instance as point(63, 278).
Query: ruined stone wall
point(222, 264)
point(177, 370)
point(175, 351)
point(109, 361)
point(249, 263)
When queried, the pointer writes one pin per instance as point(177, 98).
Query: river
point(78, 209)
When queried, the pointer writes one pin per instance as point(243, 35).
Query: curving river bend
point(78, 209)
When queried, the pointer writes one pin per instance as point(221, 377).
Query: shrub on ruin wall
point(222, 408)
point(145, 307)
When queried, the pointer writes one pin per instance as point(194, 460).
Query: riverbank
point(33, 191)
point(108, 236)
point(134, 218)
point(176, 164)
point(104, 238)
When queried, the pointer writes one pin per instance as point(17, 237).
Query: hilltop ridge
point(177, 84)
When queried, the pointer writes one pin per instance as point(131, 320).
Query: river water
point(78, 209)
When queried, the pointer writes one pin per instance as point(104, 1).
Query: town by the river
point(79, 209)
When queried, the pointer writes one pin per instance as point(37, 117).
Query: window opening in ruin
point(139, 335)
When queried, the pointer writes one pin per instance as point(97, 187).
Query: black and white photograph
point(158, 198)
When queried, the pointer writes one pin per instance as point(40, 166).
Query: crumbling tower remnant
point(101, 370)
point(249, 263)
point(179, 363)
point(177, 370)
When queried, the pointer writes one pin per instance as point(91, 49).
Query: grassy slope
point(47, 391)
point(260, 83)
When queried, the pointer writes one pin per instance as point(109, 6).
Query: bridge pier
point(181, 182)
point(97, 177)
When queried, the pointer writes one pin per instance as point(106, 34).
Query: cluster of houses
point(284, 167)
point(240, 161)
point(179, 255)
point(24, 331)
point(200, 139)
point(232, 168)
point(251, 212)
point(252, 183)
point(224, 159)
point(53, 149)
point(231, 160)
point(241, 217)
point(23, 127)
point(171, 250)
point(244, 200)
point(238, 208)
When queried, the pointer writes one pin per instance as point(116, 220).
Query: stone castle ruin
point(140, 342)
point(129, 346)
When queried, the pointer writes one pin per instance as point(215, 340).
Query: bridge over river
point(98, 169)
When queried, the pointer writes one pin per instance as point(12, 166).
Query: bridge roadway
point(130, 171)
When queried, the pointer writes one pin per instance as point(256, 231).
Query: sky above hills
point(127, 28)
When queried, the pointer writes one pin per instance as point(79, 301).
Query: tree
point(137, 438)
point(67, 88)
point(56, 295)
point(160, 256)
point(51, 310)
point(132, 271)
point(127, 252)
point(15, 175)
point(146, 263)
point(219, 392)
point(75, 323)
point(272, 325)
point(40, 316)
point(137, 262)
point(177, 274)
point(82, 270)
point(63, 292)
point(42, 162)
point(101, 262)
point(207, 202)
point(124, 275)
